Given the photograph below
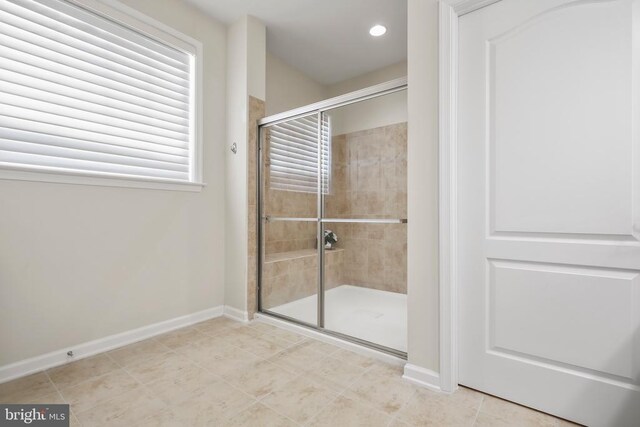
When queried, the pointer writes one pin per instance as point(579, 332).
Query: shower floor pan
point(369, 314)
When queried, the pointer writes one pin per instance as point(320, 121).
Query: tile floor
point(224, 373)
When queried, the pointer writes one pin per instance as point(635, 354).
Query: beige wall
point(246, 47)
point(423, 297)
point(289, 88)
point(79, 262)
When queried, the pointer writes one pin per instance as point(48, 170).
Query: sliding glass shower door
point(365, 286)
point(333, 219)
point(289, 202)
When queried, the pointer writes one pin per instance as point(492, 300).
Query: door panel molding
point(619, 246)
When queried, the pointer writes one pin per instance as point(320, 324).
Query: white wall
point(373, 113)
point(289, 88)
point(375, 77)
point(246, 48)
point(422, 273)
point(79, 263)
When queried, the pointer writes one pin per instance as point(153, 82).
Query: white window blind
point(82, 93)
point(293, 155)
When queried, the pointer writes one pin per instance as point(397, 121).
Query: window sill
point(18, 174)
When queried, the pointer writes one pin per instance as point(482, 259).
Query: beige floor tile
point(387, 369)
point(73, 420)
point(164, 418)
point(217, 325)
point(398, 423)
point(230, 359)
point(182, 386)
point(26, 389)
point(287, 335)
point(97, 390)
point(354, 358)
point(512, 412)
point(242, 337)
point(54, 398)
point(348, 412)
point(51, 398)
point(435, 409)
point(158, 368)
point(385, 390)
point(124, 410)
point(138, 352)
point(259, 415)
point(462, 397)
point(486, 420)
point(323, 348)
point(214, 373)
point(438, 414)
point(205, 349)
point(260, 378)
point(266, 347)
point(76, 372)
point(300, 357)
point(300, 399)
point(334, 373)
point(180, 337)
point(263, 327)
point(212, 405)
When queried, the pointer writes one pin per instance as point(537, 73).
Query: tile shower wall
point(370, 181)
point(256, 112)
point(287, 236)
point(369, 170)
point(290, 276)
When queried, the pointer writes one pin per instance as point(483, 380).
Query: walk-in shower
point(332, 209)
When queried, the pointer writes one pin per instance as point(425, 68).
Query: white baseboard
point(90, 348)
point(422, 377)
point(236, 314)
point(356, 348)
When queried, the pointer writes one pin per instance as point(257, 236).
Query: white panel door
point(549, 206)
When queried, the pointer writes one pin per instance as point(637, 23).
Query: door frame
point(449, 13)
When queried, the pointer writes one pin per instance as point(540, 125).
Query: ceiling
point(326, 39)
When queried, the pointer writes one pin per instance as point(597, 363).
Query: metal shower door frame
point(319, 109)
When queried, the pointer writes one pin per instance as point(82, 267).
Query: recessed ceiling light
point(377, 30)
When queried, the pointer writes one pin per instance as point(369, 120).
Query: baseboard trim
point(422, 377)
point(91, 348)
point(236, 314)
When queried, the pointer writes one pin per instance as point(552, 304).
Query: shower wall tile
point(294, 275)
point(370, 181)
point(256, 112)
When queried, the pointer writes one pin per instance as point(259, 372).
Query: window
point(82, 93)
point(293, 155)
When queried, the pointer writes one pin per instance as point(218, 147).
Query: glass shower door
point(364, 218)
point(289, 273)
point(333, 209)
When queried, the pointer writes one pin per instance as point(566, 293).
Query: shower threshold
point(372, 315)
